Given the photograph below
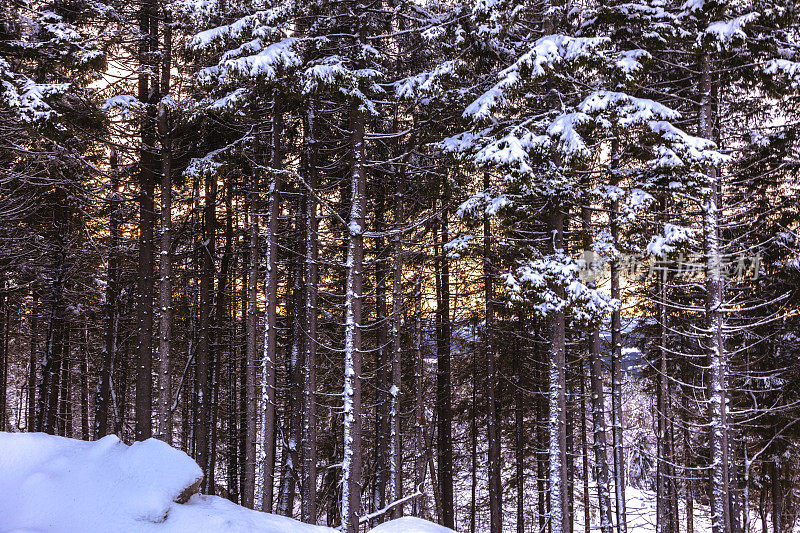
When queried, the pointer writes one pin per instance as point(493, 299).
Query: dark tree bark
point(559, 498)
point(382, 371)
point(519, 429)
point(165, 252)
point(351, 470)
point(83, 376)
point(309, 480)
point(395, 480)
point(294, 369)
point(444, 415)
point(202, 415)
point(109, 347)
point(492, 378)
point(616, 364)
point(251, 340)
point(776, 490)
point(418, 504)
point(33, 363)
point(147, 93)
point(269, 359)
point(54, 343)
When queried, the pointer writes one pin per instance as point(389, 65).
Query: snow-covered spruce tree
point(253, 76)
point(733, 51)
point(51, 121)
point(541, 144)
point(534, 149)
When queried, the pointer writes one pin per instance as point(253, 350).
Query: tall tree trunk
point(587, 508)
point(205, 358)
point(351, 465)
point(395, 437)
point(83, 376)
point(559, 499)
point(222, 320)
point(542, 429)
point(492, 379)
point(269, 360)
point(51, 359)
point(294, 368)
point(444, 415)
point(663, 506)
point(418, 504)
point(597, 403)
point(64, 405)
point(714, 342)
point(236, 329)
point(33, 321)
point(616, 364)
point(165, 252)
point(519, 431)
point(382, 378)
point(309, 480)
point(103, 401)
point(250, 366)
point(776, 488)
point(147, 93)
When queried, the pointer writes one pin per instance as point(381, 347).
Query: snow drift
point(60, 485)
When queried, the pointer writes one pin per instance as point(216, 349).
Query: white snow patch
point(54, 484)
point(410, 524)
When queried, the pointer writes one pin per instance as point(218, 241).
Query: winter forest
point(503, 265)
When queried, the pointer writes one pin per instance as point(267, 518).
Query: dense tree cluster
point(370, 258)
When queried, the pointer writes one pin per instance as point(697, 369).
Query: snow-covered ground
point(59, 485)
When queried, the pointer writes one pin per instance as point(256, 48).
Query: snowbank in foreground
point(57, 485)
point(408, 524)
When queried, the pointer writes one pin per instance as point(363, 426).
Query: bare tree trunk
point(559, 499)
point(83, 376)
point(663, 507)
point(294, 369)
point(444, 415)
point(64, 405)
point(245, 370)
point(251, 325)
point(222, 319)
point(616, 384)
point(492, 379)
point(587, 507)
point(269, 360)
point(597, 403)
point(309, 480)
point(148, 88)
point(33, 321)
point(473, 430)
point(103, 393)
point(202, 415)
point(351, 465)
point(51, 360)
point(714, 342)
point(418, 504)
point(395, 437)
point(519, 431)
point(688, 475)
point(542, 427)
point(382, 380)
point(165, 252)
point(776, 489)
point(236, 330)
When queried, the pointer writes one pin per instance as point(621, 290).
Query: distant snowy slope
point(54, 484)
